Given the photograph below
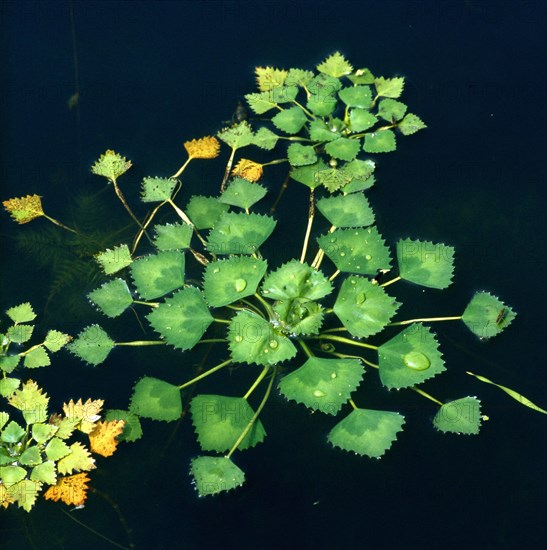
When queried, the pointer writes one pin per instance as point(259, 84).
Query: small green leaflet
point(113, 297)
point(158, 274)
point(301, 155)
point(173, 236)
point(389, 87)
point(212, 475)
point(486, 316)
point(410, 358)
point(219, 420)
point(182, 319)
point(92, 345)
point(205, 211)
point(461, 416)
point(367, 432)
point(335, 65)
point(242, 193)
point(347, 210)
point(156, 399)
point(363, 307)
point(239, 233)
point(22, 313)
point(157, 189)
point(290, 120)
point(226, 281)
point(380, 142)
point(323, 384)
point(343, 148)
point(113, 260)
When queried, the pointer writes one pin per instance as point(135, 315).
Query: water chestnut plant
point(309, 327)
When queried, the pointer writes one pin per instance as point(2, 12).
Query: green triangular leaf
point(55, 340)
point(323, 384)
point(321, 104)
point(425, 263)
point(367, 432)
point(390, 109)
point(361, 120)
point(320, 131)
point(43, 432)
point(156, 399)
point(389, 87)
point(226, 281)
point(296, 280)
point(239, 233)
point(242, 193)
point(22, 313)
point(462, 416)
point(113, 260)
point(182, 319)
point(380, 142)
point(220, 420)
point(363, 307)
point(111, 165)
point(335, 65)
point(212, 475)
point(333, 178)
point(30, 456)
point(113, 297)
point(38, 357)
point(411, 124)
point(265, 139)
point(158, 274)
point(253, 340)
point(173, 236)
point(20, 333)
point(357, 96)
point(157, 189)
point(12, 433)
point(92, 345)
point(361, 251)
point(7, 387)
point(301, 155)
point(57, 449)
point(410, 358)
point(343, 148)
point(487, 316)
point(290, 120)
point(205, 211)
point(9, 363)
point(347, 210)
point(361, 76)
point(261, 102)
point(45, 473)
point(308, 174)
point(237, 136)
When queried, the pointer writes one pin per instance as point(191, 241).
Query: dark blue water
point(154, 74)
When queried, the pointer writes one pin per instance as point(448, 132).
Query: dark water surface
point(154, 74)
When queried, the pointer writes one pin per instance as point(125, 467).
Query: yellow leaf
point(71, 490)
point(86, 413)
point(6, 498)
point(268, 78)
point(103, 438)
point(248, 169)
point(31, 401)
point(24, 209)
point(204, 148)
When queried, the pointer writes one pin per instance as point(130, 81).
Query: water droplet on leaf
point(360, 298)
point(273, 344)
point(240, 284)
point(416, 360)
point(319, 393)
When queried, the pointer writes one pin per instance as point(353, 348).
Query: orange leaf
point(103, 438)
point(71, 490)
point(24, 209)
point(248, 169)
point(6, 498)
point(204, 148)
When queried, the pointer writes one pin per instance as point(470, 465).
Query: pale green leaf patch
point(361, 120)
point(308, 174)
point(290, 120)
point(411, 124)
point(335, 65)
point(343, 148)
point(357, 96)
point(323, 384)
point(265, 139)
point(22, 313)
point(367, 432)
point(38, 357)
point(55, 340)
point(391, 109)
point(301, 155)
point(237, 136)
point(389, 87)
